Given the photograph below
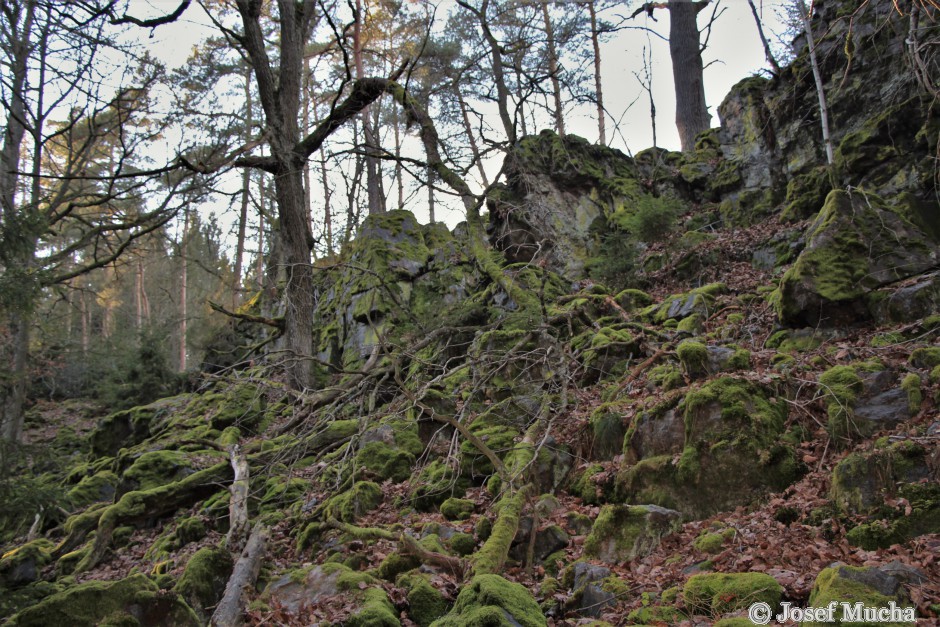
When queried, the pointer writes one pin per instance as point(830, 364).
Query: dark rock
point(547, 541)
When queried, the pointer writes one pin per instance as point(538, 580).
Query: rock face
point(559, 190)
point(721, 446)
point(625, 532)
point(856, 244)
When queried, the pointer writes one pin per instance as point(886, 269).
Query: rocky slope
point(724, 391)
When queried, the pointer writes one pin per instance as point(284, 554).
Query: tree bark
point(230, 610)
point(692, 115)
point(553, 69)
point(243, 213)
point(598, 90)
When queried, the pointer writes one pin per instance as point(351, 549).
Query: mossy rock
point(203, 580)
point(280, 492)
point(853, 247)
point(395, 564)
point(425, 603)
point(492, 601)
point(625, 532)
point(863, 480)
point(376, 611)
point(457, 509)
point(360, 499)
point(849, 584)
point(435, 483)
point(892, 526)
point(105, 602)
point(717, 593)
point(23, 564)
point(96, 488)
point(153, 469)
point(694, 357)
point(15, 600)
point(727, 449)
point(385, 461)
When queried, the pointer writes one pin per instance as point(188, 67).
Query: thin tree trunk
point(553, 69)
point(83, 303)
point(499, 76)
point(430, 171)
point(763, 39)
point(468, 129)
point(598, 91)
point(305, 108)
point(243, 214)
point(138, 291)
point(817, 76)
point(398, 169)
point(373, 171)
point(14, 401)
point(692, 115)
point(184, 278)
point(327, 199)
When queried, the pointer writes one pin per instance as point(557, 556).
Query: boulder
point(625, 532)
point(868, 585)
point(857, 244)
point(492, 600)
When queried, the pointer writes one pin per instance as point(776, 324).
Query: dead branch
point(230, 609)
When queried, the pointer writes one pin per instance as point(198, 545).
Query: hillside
point(704, 380)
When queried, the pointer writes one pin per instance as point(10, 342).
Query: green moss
point(656, 615)
point(841, 385)
point(156, 468)
point(709, 542)
point(717, 593)
point(104, 602)
point(911, 384)
point(485, 601)
point(693, 324)
point(395, 564)
point(926, 357)
point(457, 509)
point(897, 527)
point(386, 462)
point(631, 299)
point(607, 427)
point(694, 357)
point(839, 584)
point(24, 563)
point(887, 339)
point(667, 376)
point(376, 611)
point(492, 555)
point(462, 543)
point(203, 581)
point(98, 487)
point(425, 603)
point(624, 532)
point(483, 529)
point(281, 491)
point(740, 360)
point(435, 483)
point(363, 497)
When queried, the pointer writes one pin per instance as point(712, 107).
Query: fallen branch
point(238, 504)
point(229, 611)
point(277, 323)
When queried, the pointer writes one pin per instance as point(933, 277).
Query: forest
point(339, 320)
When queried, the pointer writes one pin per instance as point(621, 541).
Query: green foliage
point(653, 218)
point(26, 491)
point(616, 261)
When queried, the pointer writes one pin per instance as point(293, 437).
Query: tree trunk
point(327, 210)
point(553, 69)
point(373, 168)
point(243, 214)
point(598, 91)
point(468, 129)
point(14, 398)
point(820, 88)
point(184, 279)
point(692, 115)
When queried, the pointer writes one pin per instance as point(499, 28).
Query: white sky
point(734, 43)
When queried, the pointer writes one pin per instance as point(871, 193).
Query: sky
point(734, 52)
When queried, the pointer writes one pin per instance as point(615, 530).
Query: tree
point(685, 50)
point(76, 195)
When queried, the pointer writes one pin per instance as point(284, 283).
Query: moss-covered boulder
point(868, 586)
point(721, 446)
point(717, 593)
point(98, 487)
point(132, 601)
point(132, 426)
point(863, 480)
point(153, 469)
point(22, 565)
point(376, 610)
point(203, 581)
point(625, 532)
point(492, 601)
point(857, 244)
point(457, 509)
point(425, 602)
point(363, 497)
point(558, 189)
